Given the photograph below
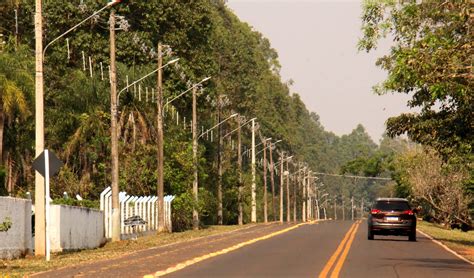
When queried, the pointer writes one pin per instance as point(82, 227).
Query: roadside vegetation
point(431, 61)
point(457, 240)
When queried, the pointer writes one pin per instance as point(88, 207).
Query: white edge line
point(445, 247)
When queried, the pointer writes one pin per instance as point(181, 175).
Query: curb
point(445, 247)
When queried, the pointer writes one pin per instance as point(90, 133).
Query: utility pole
point(114, 137)
point(352, 207)
point(272, 181)
point(308, 197)
point(343, 212)
point(219, 165)
point(361, 208)
point(288, 208)
point(254, 185)
point(318, 214)
point(265, 205)
point(335, 208)
point(159, 123)
point(195, 162)
point(295, 186)
point(40, 221)
point(239, 162)
point(281, 187)
point(303, 208)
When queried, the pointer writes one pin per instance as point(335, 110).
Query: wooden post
point(195, 162)
point(159, 121)
point(114, 137)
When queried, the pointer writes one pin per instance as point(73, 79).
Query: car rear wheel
point(412, 236)
point(370, 235)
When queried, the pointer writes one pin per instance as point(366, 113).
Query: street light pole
point(295, 185)
point(308, 197)
point(281, 187)
point(40, 221)
point(343, 212)
point(239, 163)
point(195, 162)
point(40, 224)
point(159, 121)
point(352, 208)
point(220, 213)
point(272, 181)
point(254, 186)
point(265, 205)
point(113, 129)
point(288, 208)
point(303, 212)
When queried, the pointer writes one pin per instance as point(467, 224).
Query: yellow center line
point(221, 252)
point(334, 256)
point(340, 262)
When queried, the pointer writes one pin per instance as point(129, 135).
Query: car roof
point(392, 199)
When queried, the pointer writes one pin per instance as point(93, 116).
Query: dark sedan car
point(392, 216)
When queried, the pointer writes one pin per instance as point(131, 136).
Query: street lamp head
point(268, 139)
point(234, 115)
point(173, 61)
point(113, 2)
point(290, 157)
point(205, 79)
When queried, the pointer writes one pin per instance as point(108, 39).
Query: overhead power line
point(354, 177)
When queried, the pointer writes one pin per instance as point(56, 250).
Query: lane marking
point(334, 256)
point(196, 260)
point(340, 263)
point(445, 247)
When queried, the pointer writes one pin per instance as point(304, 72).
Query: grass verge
point(460, 242)
point(30, 264)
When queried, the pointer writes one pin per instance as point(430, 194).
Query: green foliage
point(431, 60)
point(6, 224)
point(77, 203)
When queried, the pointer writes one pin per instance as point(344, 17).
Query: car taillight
point(409, 212)
point(374, 211)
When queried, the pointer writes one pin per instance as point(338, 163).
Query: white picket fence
point(143, 206)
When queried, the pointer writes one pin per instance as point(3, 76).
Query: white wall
point(17, 241)
point(74, 228)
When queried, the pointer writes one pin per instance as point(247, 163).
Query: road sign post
point(47, 164)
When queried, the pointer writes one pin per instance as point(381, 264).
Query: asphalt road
point(316, 250)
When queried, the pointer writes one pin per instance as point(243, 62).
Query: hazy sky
point(317, 45)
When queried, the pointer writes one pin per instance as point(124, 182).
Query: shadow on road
point(439, 264)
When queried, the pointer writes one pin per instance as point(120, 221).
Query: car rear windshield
point(392, 206)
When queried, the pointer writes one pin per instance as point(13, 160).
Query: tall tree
point(431, 59)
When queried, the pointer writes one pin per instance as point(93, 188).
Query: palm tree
point(16, 83)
